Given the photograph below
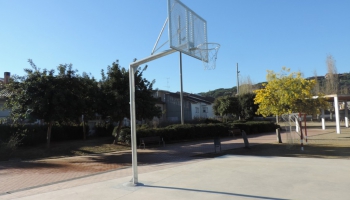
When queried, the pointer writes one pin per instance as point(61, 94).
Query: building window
point(197, 110)
point(205, 109)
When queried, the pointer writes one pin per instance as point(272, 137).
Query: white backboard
point(187, 30)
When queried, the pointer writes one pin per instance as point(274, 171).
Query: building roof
point(341, 97)
point(193, 98)
point(210, 100)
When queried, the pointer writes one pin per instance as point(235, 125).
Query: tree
point(288, 93)
point(317, 88)
point(332, 80)
point(226, 105)
point(145, 102)
point(46, 96)
point(115, 97)
point(246, 86)
point(247, 106)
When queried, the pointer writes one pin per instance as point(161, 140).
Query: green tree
point(80, 97)
point(145, 102)
point(46, 96)
point(115, 97)
point(226, 105)
point(247, 106)
point(113, 100)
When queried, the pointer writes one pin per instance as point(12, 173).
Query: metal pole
point(181, 92)
point(346, 119)
point(133, 124)
point(337, 121)
point(132, 68)
point(237, 80)
point(305, 128)
point(323, 120)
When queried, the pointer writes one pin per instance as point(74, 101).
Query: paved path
point(20, 179)
point(226, 177)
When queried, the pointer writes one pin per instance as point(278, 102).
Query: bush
point(203, 121)
point(13, 142)
point(36, 134)
point(178, 132)
point(251, 127)
point(125, 136)
point(104, 130)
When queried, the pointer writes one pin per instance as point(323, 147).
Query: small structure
point(336, 98)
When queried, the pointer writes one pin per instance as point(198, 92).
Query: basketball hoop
point(208, 53)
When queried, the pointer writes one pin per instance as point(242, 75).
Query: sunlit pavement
point(228, 177)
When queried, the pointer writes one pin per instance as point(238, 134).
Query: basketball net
point(208, 53)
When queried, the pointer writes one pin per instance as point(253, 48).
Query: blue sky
point(260, 35)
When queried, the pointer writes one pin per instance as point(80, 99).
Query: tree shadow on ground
point(152, 156)
point(62, 149)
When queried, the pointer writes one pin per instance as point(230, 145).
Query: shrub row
point(179, 132)
point(252, 127)
point(175, 133)
point(35, 134)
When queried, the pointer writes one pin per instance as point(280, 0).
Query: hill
point(343, 86)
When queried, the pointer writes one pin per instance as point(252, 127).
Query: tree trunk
point(48, 138)
point(118, 131)
point(301, 133)
point(305, 128)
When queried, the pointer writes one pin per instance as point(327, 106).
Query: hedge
point(174, 133)
point(35, 134)
point(251, 127)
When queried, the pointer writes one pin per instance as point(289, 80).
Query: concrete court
point(226, 177)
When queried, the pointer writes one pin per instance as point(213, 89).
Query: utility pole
point(237, 80)
point(181, 93)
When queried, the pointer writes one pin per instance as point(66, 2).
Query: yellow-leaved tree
point(288, 92)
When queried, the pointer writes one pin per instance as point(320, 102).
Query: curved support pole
point(132, 70)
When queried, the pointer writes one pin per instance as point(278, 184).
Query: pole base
point(131, 184)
